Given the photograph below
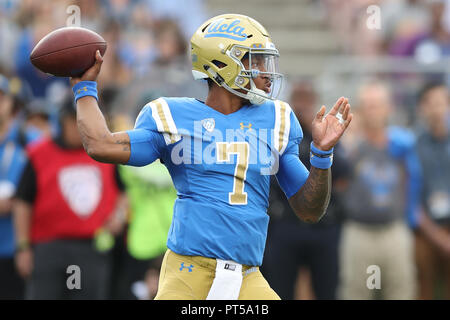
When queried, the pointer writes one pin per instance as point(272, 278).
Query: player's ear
point(244, 60)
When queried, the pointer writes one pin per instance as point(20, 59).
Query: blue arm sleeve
point(292, 172)
point(147, 144)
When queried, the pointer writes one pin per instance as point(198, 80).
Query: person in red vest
point(66, 210)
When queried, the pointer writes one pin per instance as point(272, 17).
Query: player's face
point(259, 62)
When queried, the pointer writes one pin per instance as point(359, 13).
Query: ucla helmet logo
point(231, 31)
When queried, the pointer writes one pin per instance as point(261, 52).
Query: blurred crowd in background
point(390, 206)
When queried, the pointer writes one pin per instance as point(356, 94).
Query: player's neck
point(223, 101)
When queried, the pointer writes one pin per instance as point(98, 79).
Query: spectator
point(433, 148)
point(12, 162)
point(168, 76)
point(35, 114)
point(292, 243)
point(8, 33)
point(137, 51)
point(36, 125)
point(347, 19)
point(114, 72)
point(65, 205)
point(428, 46)
point(170, 43)
point(40, 22)
point(403, 19)
point(176, 10)
point(90, 13)
point(151, 195)
point(376, 230)
point(119, 10)
point(138, 256)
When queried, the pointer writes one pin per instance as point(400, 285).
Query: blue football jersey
point(220, 166)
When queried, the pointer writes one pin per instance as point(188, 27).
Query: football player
point(220, 154)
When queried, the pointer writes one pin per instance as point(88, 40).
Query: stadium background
point(328, 44)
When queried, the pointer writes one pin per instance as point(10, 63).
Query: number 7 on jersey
point(224, 152)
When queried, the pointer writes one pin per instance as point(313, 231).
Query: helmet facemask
point(262, 62)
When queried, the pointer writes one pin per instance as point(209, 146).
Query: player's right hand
point(91, 74)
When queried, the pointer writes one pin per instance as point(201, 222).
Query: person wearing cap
point(301, 260)
point(37, 121)
point(34, 116)
point(12, 163)
point(66, 210)
point(432, 240)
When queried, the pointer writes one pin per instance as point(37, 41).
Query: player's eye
point(257, 63)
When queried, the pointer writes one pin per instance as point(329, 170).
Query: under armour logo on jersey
point(209, 124)
point(249, 126)
point(183, 267)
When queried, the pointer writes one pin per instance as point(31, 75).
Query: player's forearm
point(98, 141)
point(91, 125)
point(311, 201)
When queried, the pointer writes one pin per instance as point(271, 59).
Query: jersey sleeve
point(292, 173)
point(146, 143)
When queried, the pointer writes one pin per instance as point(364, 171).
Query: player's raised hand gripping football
point(98, 141)
point(328, 129)
point(91, 74)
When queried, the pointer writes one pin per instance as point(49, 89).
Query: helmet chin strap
point(255, 95)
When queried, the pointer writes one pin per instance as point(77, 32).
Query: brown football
point(67, 52)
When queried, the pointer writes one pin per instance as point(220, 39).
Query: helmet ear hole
point(219, 64)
